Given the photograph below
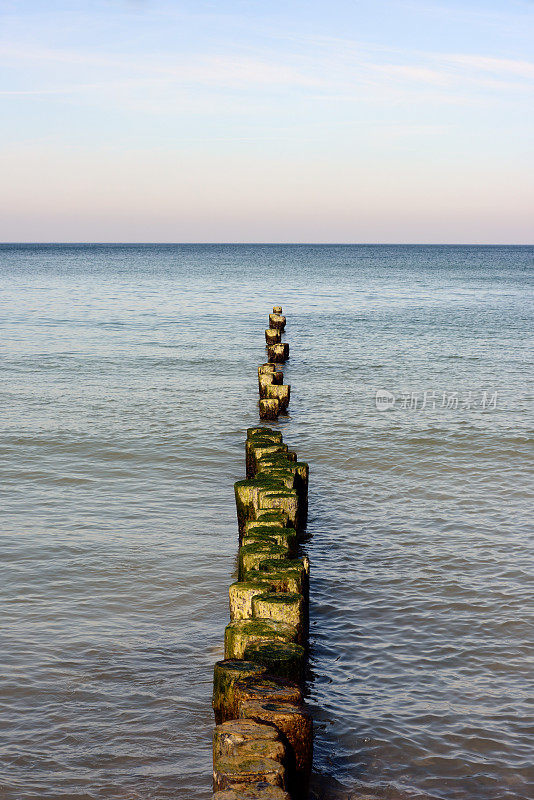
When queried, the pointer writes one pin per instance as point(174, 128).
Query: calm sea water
point(128, 380)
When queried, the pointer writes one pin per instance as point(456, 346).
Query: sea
point(128, 380)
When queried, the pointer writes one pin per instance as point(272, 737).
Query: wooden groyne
point(263, 740)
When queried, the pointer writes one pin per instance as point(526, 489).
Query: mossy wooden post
point(264, 433)
point(269, 409)
point(273, 335)
point(295, 724)
point(277, 309)
point(258, 446)
point(253, 791)
point(225, 675)
point(246, 497)
point(287, 575)
point(231, 735)
point(277, 321)
point(241, 594)
point(239, 634)
point(234, 770)
point(270, 534)
point(268, 515)
point(270, 379)
point(278, 353)
point(279, 392)
point(266, 368)
point(282, 607)
point(282, 659)
point(251, 555)
point(264, 689)
point(286, 499)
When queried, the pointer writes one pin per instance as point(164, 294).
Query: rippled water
point(129, 378)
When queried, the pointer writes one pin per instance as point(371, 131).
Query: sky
point(232, 121)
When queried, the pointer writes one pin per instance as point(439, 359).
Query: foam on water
point(129, 379)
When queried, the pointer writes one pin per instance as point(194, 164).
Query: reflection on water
point(129, 381)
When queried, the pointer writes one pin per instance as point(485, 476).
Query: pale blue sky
point(372, 121)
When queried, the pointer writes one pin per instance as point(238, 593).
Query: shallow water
point(129, 378)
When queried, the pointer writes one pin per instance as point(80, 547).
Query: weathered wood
point(233, 734)
point(287, 607)
point(240, 633)
point(277, 321)
point(269, 409)
point(273, 335)
point(241, 594)
point(253, 791)
point(282, 659)
point(295, 724)
point(225, 675)
point(280, 392)
point(268, 689)
point(234, 770)
point(278, 353)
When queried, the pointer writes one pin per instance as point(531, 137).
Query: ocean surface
point(128, 382)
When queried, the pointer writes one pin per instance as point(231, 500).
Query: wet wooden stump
point(280, 392)
point(266, 368)
point(281, 659)
point(267, 379)
point(225, 675)
point(247, 497)
point(229, 736)
point(257, 447)
point(251, 555)
point(241, 594)
point(277, 321)
point(253, 791)
point(282, 607)
point(231, 771)
point(294, 723)
point(240, 633)
point(267, 515)
point(269, 409)
point(278, 353)
point(268, 689)
point(273, 535)
point(277, 309)
point(273, 335)
point(285, 499)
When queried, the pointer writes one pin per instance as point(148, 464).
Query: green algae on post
point(253, 791)
point(246, 497)
point(282, 659)
point(264, 433)
point(281, 607)
point(239, 634)
point(280, 392)
point(251, 555)
point(267, 515)
point(275, 535)
point(286, 499)
point(225, 675)
point(295, 724)
point(233, 770)
point(275, 690)
point(241, 594)
point(230, 735)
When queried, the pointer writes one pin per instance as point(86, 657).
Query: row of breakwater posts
point(274, 394)
point(263, 740)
